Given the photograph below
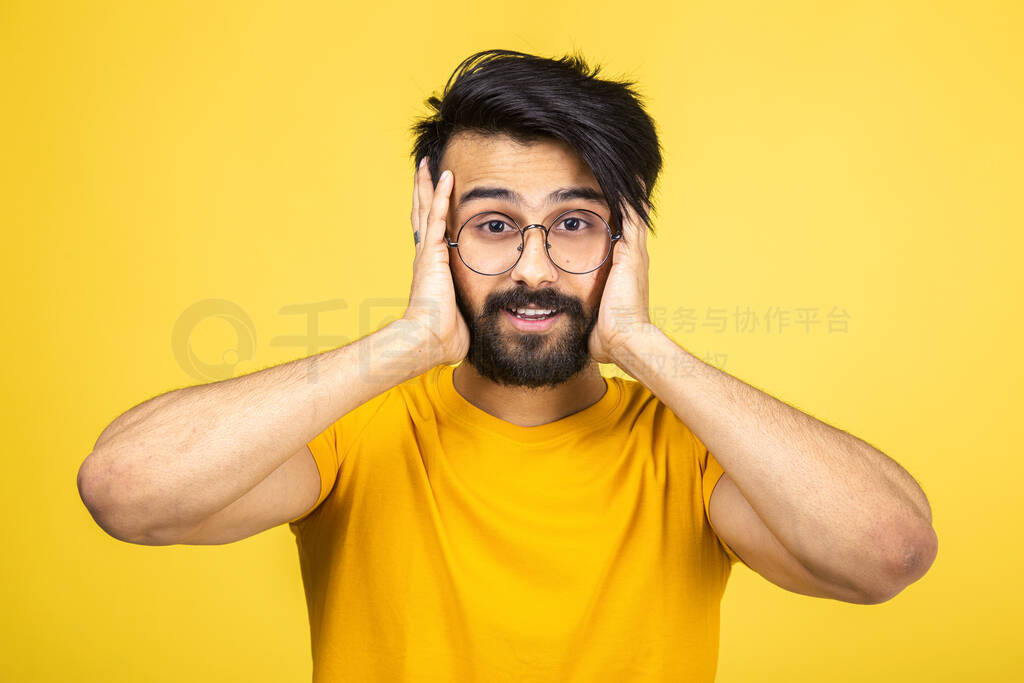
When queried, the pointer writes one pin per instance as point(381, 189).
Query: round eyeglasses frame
point(615, 237)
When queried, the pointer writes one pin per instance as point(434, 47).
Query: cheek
point(462, 288)
point(591, 294)
point(467, 286)
point(597, 285)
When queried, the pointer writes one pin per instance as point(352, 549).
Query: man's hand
point(432, 304)
point(624, 311)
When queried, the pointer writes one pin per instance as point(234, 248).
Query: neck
point(528, 407)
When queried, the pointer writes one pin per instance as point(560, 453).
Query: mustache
point(517, 298)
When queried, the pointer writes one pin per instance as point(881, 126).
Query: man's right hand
point(432, 298)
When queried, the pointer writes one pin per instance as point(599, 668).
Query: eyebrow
point(562, 194)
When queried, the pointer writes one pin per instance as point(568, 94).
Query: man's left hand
point(624, 311)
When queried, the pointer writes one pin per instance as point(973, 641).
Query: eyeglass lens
point(490, 242)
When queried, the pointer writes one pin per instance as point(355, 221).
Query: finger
point(426, 190)
point(622, 245)
point(414, 218)
point(634, 233)
point(641, 228)
point(628, 224)
point(437, 219)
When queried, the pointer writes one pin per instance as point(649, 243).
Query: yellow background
point(864, 156)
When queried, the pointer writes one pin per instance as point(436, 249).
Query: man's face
point(502, 348)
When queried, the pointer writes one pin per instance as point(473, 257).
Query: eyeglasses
point(578, 241)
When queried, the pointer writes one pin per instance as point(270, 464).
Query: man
point(519, 517)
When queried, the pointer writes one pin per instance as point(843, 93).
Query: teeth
point(534, 311)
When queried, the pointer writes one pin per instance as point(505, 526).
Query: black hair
point(531, 98)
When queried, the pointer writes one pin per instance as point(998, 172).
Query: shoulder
point(389, 406)
point(636, 398)
point(645, 410)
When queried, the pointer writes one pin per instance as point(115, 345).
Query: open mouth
point(533, 313)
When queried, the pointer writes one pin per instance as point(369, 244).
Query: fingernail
point(446, 175)
point(422, 161)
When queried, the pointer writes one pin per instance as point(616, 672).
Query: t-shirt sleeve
point(324, 448)
point(330, 446)
point(711, 472)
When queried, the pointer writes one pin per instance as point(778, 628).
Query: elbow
point(94, 489)
point(102, 489)
point(911, 561)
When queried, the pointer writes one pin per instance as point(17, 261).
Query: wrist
point(408, 346)
point(637, 346)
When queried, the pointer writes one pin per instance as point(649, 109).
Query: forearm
point(846, 510)
point(184, 455)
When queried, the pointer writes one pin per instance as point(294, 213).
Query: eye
point(573, 224)
point(492, 225)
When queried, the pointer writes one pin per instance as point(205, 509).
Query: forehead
point(533, 170)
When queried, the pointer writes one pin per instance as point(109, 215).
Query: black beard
point(525, 359)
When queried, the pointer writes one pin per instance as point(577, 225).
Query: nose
point(534, 267)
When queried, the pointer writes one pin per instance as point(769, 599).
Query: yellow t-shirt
point(450, 545)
